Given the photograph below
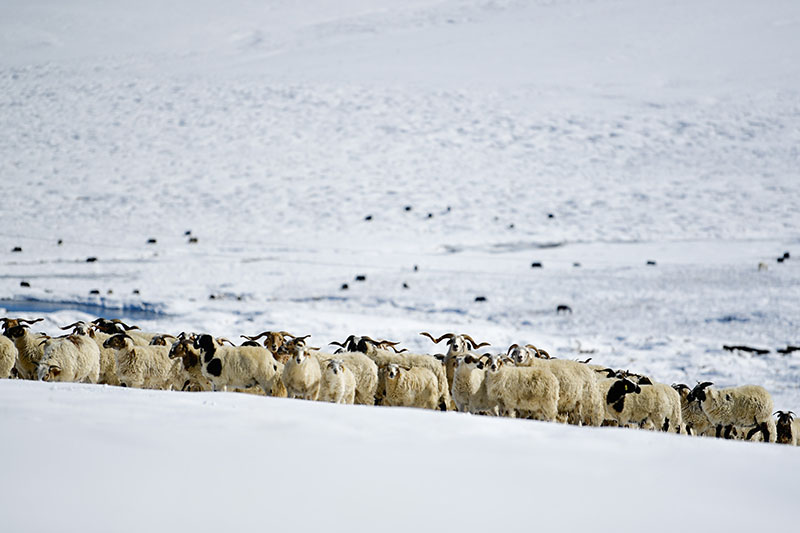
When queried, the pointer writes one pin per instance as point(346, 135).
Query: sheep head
point(206, 345)
point(335, 366)
point(47, 372)
point(9, 323)
point(160, 340)
point(616, 393)
point(118, 341)
point(699, 392)
point(393, 370)
point(784, 417)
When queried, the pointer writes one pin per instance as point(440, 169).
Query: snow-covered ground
point(480, 137)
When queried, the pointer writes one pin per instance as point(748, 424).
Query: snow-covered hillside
point(303, 144)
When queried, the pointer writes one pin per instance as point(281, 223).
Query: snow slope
point(166, 460)
point(649, 130)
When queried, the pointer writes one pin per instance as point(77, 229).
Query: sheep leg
point(719, 430)
point(665, 427)
point(765, 431)
point(728, 430)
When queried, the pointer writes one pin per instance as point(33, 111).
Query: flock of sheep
point(522, 382)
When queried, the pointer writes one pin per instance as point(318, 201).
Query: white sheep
point(411, 387)
point(29, 345)
point(695, 420)
point(469, 386)
point(143, 367)
point(364, 370)
point(579, 399)
point(383, 357)
point(108, 362)
point(8, 356)
point(302, 375)
point(526, 392)
point(658, 407)
point(73, 358)
point(457, 344)
point(338, 383)
point(237, 366)
point(748, 406)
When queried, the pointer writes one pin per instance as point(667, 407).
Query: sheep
point(618, 408)
point(788, 429)
point(529, 392)
point(411, 387)
point(108, 361)
point(194, 380)
point(458, 344)
point(236, 366)
point(338, 383)
point(74, 358)
point(376, 350)
point(8, 356)
point(579, 399)
point(143, 367)
point(29, 348)
point(469, 386)
point(276, 343)
point(695, 420)
point(364, 370)
point(302, 375)
point(747, 406)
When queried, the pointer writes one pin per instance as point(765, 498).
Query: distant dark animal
point(536, 264)
point(430, 215)
point(405, 285)
point(91, 259)
point(94, 291)
point(786, 255)
point(192, 240)
point(368, 218)
point(550, 215)
point(480, 298)
point(407, 208)
point(344, 286)
point(361, 277)
point(780, 260)
point(563, 309)
point(151, 241)
point(17, 249)
point(60, 242)
point(742, 348)
point(789, 349)
point(24, 284)
point(651, 263)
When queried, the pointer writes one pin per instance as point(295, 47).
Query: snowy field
point(303, 144)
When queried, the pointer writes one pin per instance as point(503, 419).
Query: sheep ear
point(439, 356)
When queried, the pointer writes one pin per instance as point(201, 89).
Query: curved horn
point(385, 343)
point(545, 354)
point(223, 340)
point(257, 336)
point(339, 344)
point(435, 340)
point(704, 384)
point(71, 325)
point(401, 350)
point(475, 345)
point(511, 348)
point(30, 321)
